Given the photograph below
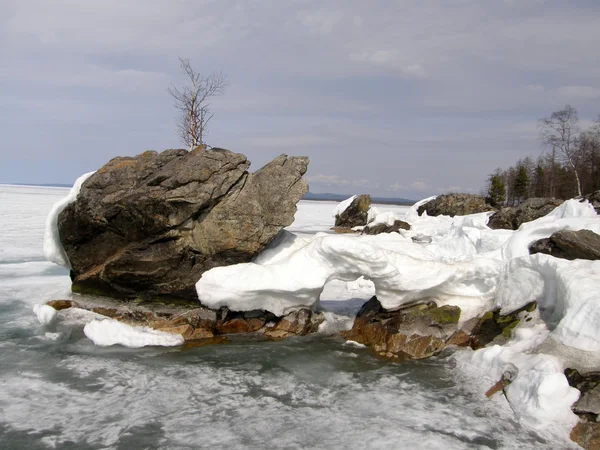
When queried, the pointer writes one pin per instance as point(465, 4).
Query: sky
point(396, 98)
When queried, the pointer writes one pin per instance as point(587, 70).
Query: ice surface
point(53, 249)
point(314, 392)
point(109, 332)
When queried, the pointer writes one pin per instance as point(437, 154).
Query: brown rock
point(185, 330)
point(60, 304)
point(296, 323)
point(414, 332)
point(587, 435)
point(200, 333)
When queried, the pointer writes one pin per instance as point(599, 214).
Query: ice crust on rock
point(107, 332)
point(53, 249)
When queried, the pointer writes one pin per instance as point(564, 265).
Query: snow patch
point(46, 314)
point(53, 249)
point(107, 332)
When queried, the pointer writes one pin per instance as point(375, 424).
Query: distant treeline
point(569, 166)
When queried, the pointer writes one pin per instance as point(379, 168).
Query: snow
point(456, 261)
point(53, 249)
point(342, 206)
point(46, 315)
point(306, 384)
point(107, 332)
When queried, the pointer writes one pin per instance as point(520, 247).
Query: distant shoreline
point(54, 185)
point(379, 201)
point(330, 197)
point(309, 196)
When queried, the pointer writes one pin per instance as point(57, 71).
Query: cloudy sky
point(392, 97)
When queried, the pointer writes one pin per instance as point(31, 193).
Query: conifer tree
point(497, 189)
point(521, 184)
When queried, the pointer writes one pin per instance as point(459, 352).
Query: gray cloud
point(403, 97)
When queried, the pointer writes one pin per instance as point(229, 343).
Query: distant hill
point(339, 197)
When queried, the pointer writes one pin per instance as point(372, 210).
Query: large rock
point(356, 214)
point(511, 218)
point(149, 226)
point(423, 330)
point(455, 205)
point(566, 244)
point(415, 332)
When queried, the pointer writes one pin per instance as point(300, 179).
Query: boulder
point(415, 332)
point(511, 218)
point(149, 226)
point(385, 228)
point(423, 330)
point(566, 244)
point(455, 205)
point(356, 214)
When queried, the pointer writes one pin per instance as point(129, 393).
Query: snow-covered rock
point(46, 315)
point(107, 332)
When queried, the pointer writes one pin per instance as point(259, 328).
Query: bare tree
point(193, 102)
point(560, 132)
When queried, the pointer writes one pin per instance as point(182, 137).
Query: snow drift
point(53, 249)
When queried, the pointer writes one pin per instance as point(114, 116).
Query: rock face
point(582, 244)
point(150, 225)
point(356, 214)
point(195, 322)
point(512, 217)
point(424, 330)
point(384, 228)
point(455, 205)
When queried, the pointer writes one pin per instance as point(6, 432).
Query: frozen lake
point(312, 392)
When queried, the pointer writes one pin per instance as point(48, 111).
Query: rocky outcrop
point(587, 432)
point(416, 332)
point(385, 228)
point(424, 330)
point(511, 218)
point(194, 322)
point(149, 226)
point(582, 244)
point(455, 205)
point(356, 214)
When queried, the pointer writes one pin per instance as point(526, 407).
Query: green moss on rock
point(444, 314)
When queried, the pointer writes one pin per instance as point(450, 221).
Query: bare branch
point(192, 102)
point(561, 133)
